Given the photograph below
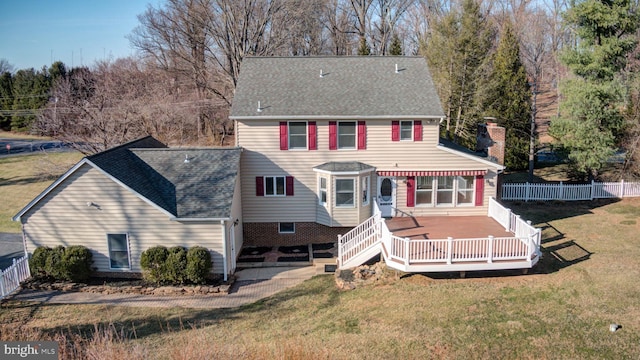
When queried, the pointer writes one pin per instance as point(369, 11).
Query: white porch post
point(340, 254)
point(407, 246)
point(490, 250)
point(449, 250)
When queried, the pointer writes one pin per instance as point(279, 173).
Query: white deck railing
point(11, 278)
point(436, 254)
point(513, 223)
point(569, 192)
point(358, 239)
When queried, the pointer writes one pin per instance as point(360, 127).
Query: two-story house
point(324, 138)
point(328, 147)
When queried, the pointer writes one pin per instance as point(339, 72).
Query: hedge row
point(176, 265)
point(60, 263)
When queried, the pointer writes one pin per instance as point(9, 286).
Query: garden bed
point(129, 286)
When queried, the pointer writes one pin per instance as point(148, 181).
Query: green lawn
point(23, 177)
point(587, 279)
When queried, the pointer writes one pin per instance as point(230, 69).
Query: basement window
point(286, 228)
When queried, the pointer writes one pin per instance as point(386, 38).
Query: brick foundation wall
point(266, 234)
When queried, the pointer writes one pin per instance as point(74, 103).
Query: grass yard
point(587, 279)
point(23, 177)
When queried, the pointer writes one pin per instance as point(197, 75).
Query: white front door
point(387, 195)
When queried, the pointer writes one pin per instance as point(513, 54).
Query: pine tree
point(507, 97)
point(31, 91)
point(6, 100)
point(364, 48)
point(395, 48)
point(456, 51)
point(590, 123)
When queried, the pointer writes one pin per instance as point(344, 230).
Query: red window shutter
point(259, 186)
point(313, 135)
point(479, 190)
point(411, 191)
point(417, 130)
point(395, 130)
point(289, 182)
point(362, 135)
point(284, 136)
point(333, 135)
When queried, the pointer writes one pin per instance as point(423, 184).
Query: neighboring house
point(125, 200)
point(324, 138)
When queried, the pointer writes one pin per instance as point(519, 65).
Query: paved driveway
point(10, 247)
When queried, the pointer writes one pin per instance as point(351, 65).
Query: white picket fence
point(11, 278)
point(569, 192)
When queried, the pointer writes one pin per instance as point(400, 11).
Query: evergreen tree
point(507, 97)
point(30, 93)
point(396, 46)
point(456, 51)
point(590, 123)
point(6, 100)
point(364, 48)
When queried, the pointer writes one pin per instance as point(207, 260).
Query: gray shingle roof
point(351, 86)
point(203, 187)
point(345, 166)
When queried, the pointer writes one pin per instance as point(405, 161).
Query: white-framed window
point(406, 130)
point(274, 186)
point(344, 192)
point(365, 188)
point(286, 228)
point(424, 190)
point(297, 135)
point(347, 131)
point(464, 190)
point(444, 191)
point(322, 191)
point(118, 245)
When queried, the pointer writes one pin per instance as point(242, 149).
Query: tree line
point(520, 63)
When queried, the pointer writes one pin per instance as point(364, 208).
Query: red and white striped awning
point(431, 173)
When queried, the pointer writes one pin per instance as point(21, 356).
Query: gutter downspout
point(224, 249)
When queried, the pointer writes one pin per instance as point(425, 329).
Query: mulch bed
point(255, 250)
point(298, 249)
point(325, 246)
point(293, 258)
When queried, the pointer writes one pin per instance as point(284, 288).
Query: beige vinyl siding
point(262, 157)
point(63, 218)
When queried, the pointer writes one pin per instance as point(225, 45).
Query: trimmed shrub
point(175, 266)
point(198, 264)
point(77, 263)
point(152, 263)
point(54, 265)
point(60, 263)
point(38, 261)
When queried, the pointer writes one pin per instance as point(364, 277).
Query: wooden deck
point(444, 243)
point(441, 227)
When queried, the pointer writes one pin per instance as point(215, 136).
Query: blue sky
point(76, 32)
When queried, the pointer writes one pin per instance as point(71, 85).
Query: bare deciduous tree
point(387, 14)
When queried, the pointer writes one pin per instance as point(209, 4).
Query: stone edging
point(136, 289)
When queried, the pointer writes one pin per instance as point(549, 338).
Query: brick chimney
point(491, 139)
